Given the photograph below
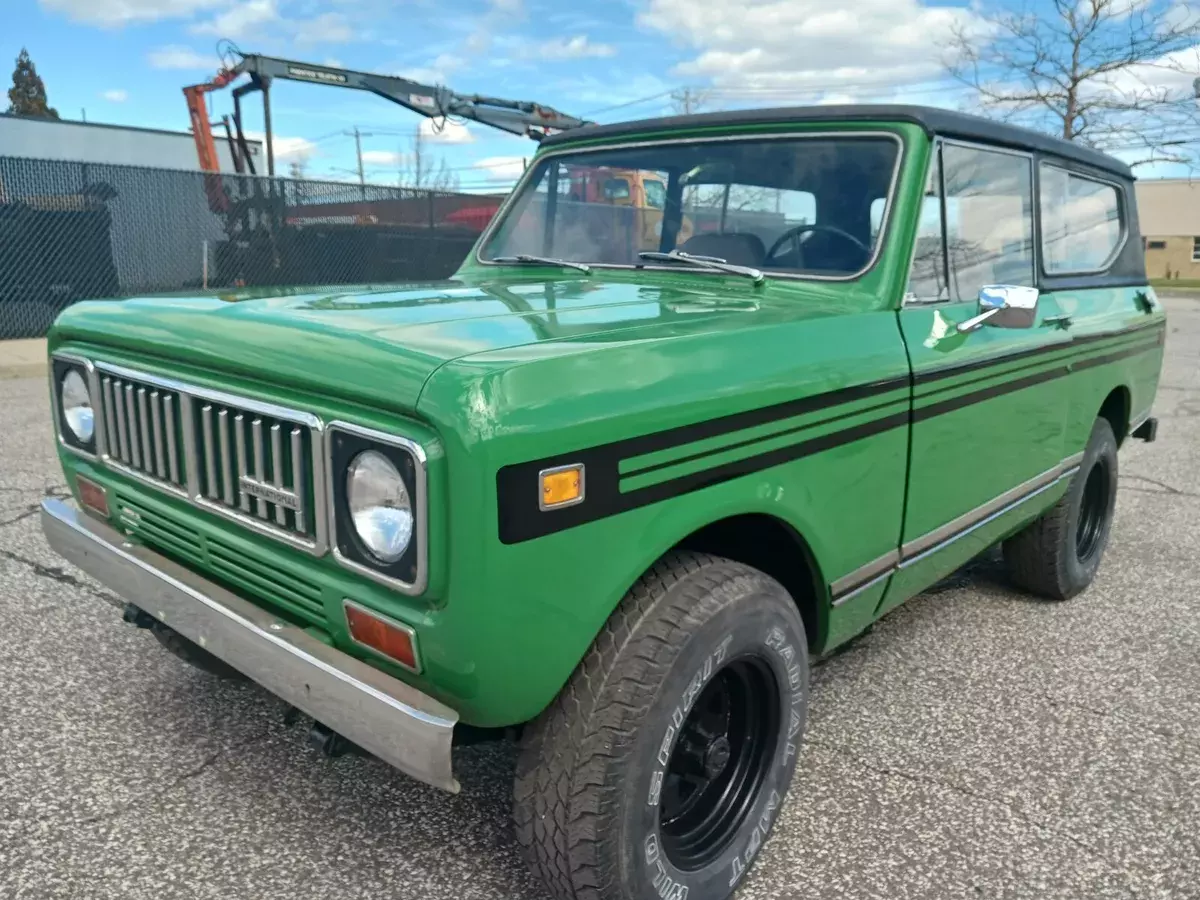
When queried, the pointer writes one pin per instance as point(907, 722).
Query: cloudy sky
point(124, 61)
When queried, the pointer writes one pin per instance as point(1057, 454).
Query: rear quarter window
point(1082, 222)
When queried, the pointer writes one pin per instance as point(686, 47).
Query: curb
point(23, 370)
point(24, 358)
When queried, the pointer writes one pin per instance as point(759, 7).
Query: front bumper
point(383, 715)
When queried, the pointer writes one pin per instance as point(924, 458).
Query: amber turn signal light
point(561, 487)
point(92, 495)
point(395, 641)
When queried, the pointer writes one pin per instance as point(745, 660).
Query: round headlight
point(379, 505)
point(77, 406)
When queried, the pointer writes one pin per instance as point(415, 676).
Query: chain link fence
point(76, 231)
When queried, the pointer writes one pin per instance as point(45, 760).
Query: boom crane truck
point(518, 117)
point(261, 221)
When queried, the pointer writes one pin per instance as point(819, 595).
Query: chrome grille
point(143, 428)
point(255, 462)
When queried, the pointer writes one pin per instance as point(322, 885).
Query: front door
point(988, 415)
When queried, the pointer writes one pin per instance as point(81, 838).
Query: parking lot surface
point(975, 743)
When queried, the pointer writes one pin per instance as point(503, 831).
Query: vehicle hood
point(380, 345)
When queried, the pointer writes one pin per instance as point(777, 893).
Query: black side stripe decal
point(687, 434)
point(952, 370)
point(758, 440)
point(922, 413)
point(520, 518)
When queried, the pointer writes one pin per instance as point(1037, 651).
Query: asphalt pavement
point(975, 744)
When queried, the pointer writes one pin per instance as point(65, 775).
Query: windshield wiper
point(704, 262)
point(545, 261)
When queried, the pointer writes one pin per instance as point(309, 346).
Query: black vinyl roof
point(935, 121)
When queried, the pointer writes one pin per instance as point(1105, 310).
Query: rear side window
point(1082, 229)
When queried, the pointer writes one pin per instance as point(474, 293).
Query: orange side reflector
point(561, 486)
point(393, 640)
point(92, 495)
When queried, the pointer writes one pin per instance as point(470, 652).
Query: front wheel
point(662, 765)
point(1057, 555)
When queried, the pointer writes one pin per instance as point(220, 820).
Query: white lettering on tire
point(679, 715)
point(742, 861)
point(666, 886)
point(776, 640)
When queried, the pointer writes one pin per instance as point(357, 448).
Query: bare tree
point(422, 172)
point(1114, 74)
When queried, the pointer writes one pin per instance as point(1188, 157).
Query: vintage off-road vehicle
point(616, 498)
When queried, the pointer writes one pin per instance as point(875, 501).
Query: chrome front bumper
point(381, 714)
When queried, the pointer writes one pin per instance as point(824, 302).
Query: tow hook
point(329, 743)
point(135, 615)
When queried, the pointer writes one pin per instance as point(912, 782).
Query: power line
point(637, 102)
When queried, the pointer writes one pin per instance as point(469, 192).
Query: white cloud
point(445, 132)
point(327, 28)
point(508, 7)
point(780, 45)
point(383, 158)
point(1117, 9)
point(245, 20)
point(578, 47)
point(111, 13)
point(176, 56)
point(436, 72)
point(116, 95)
point(286, 148)
point(835, 99)
point(501, 167)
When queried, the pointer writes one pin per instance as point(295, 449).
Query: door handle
point(1063, 321)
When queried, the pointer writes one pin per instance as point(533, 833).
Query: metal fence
point(75, 231)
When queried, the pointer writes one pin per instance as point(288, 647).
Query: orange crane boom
point(206, 148)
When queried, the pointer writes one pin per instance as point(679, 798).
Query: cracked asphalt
point(975, 743)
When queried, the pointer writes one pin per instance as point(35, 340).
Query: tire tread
point(563, 786)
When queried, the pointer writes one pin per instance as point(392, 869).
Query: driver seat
point(740, 248)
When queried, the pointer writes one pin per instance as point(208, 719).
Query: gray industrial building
point(94, 142)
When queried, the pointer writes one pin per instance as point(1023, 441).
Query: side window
point(1081, 221)
point(989, 219)
point(656, 194)
point(616, 189)
point(927, 278)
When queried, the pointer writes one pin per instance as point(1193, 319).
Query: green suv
point(612, 487)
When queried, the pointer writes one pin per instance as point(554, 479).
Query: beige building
point(1169, 215)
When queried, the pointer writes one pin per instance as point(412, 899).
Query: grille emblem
point(269, 493)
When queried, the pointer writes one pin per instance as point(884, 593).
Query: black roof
point(934, 121)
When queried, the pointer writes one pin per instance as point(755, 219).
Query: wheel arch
point(772, 545)
point(1116, 409)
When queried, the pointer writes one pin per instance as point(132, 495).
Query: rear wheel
point(662, 765)
point(1058, 555)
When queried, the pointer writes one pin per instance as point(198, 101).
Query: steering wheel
point(793, 235)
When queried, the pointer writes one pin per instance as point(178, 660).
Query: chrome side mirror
point(1005, 306)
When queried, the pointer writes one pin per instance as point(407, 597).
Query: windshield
point(799, 205)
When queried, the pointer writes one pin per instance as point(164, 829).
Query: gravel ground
point(974, 744)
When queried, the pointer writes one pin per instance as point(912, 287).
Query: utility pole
point(688, 100)
point(358, 136)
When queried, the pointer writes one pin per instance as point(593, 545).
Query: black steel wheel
point(661, 767)
point(720, 758)
point(1093, 511)
point(1058, 554)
